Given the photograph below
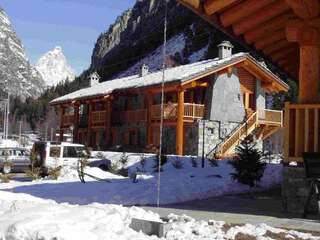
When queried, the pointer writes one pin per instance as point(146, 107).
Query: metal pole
point(162, 100)
point(8, 112)
point(204, 128)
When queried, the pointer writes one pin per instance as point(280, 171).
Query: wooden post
point(306, 130)
point(89, 124)
point(316, 130)
point(61, 124)
point(308, 38)
point(149, 127)
point(179, 128)
point(76, 124)
point(108, 122)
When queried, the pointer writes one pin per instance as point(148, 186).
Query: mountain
point(54, 68)
point(17, 75)
point(136, 37)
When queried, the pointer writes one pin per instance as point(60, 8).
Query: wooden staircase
point(262, 123)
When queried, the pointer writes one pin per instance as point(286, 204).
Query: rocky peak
point(54, 68)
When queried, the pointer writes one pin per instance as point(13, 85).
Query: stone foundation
point(295, 190)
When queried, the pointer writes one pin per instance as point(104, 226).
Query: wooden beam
point(192, 3)
point(76, 124)
point(213, 6)
point(276, 46)
point(108, 115)
point(149, 103)
point(286, 131)
point(308, 38)
point(260, 17)
point(306, 130)
point(274, 37)
point(268, 27)
point(180, 127)
point(282, 54)
point(242, 10)
point(297, 133)
point(316, 130)
point(305, 9)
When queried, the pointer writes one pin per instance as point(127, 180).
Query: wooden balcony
point(270, 117)
point(191, 111)
point(139, 115)
point(301, 131)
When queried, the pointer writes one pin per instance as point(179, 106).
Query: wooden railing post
point(75, 123)
point(316, 130)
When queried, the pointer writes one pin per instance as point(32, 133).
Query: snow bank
point(25, 217)
point(177, 185)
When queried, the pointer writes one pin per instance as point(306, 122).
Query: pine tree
point(248, 165)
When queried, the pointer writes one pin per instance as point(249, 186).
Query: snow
point(67, 209)
point(154, 60)
point(26, 217)
point(175, 74)
point(54, 68)
point(198, 55)
point(8, 143)
point(178, 185)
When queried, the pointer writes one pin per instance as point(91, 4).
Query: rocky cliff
point(136, 37)
point(16, 73)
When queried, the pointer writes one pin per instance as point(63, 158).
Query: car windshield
point(74, 152)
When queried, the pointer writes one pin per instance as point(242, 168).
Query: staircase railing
point(235, 138)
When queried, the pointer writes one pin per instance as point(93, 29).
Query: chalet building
point(209, 107)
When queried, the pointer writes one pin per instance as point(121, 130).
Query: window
point(55, 152)
point(74, 152)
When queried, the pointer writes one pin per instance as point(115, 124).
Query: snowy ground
point(25, 217)
point(67, 209)
point(177, 185)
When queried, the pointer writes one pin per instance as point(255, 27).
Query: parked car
point(58, 154)
point(14, 159)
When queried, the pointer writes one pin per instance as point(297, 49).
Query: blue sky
point(72, 24)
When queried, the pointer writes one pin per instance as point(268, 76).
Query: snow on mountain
point(17, 75)
point(54, 68)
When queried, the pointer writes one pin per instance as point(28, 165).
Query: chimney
point(144, 69)
point(94, 79)
point(225, 49)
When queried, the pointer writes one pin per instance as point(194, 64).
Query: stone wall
point(295, 191)
point(223, 99)
point(206, 134)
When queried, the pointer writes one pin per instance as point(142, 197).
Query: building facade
point(208, 107)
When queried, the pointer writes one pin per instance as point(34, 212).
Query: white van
point(56, 154)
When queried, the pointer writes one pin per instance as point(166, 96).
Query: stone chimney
point(225, 49)
point(144, 70)
point(94, 79)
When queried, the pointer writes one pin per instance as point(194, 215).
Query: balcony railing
point(170, 111)
point(270, 117)
point(301, 123)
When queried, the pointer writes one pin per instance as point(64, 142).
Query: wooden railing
point(98, 117)
point(270, 117)
point(191, 111)
point(236, 137)
point(67, 120)
point(301, 123)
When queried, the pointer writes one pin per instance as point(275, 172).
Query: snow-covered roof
point(176, 74)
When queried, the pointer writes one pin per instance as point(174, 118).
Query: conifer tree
point(248, 164)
